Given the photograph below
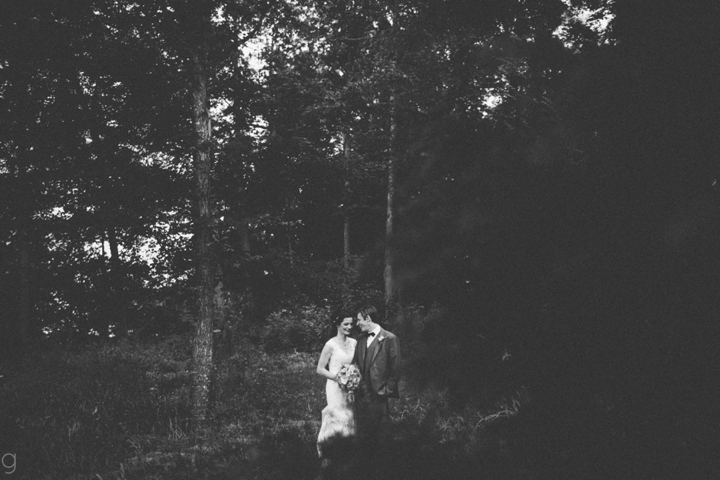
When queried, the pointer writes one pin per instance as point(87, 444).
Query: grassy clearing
point(121, 412)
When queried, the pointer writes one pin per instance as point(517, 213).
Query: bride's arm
point(355, 360)
point(323, 361)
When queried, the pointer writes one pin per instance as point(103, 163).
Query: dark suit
point(379, 365)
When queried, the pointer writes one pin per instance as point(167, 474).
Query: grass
point(121, 412)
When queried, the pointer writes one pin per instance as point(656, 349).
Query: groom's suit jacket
point(379, 364)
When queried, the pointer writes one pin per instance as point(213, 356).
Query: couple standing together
point(365, 417)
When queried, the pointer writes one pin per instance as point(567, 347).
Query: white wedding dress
point(337, 417)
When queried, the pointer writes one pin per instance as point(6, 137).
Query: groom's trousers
point(373, 420)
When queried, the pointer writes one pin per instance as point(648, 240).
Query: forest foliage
point(556, 207)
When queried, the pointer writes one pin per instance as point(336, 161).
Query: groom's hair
point(369, 311)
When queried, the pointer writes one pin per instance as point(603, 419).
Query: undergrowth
point(122, 412)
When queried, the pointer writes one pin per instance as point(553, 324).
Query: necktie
point(369, 340)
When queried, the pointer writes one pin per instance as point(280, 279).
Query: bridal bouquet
point(349, 379)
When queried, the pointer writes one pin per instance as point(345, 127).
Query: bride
point(337, 417)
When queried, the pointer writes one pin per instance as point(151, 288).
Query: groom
point(377, 354)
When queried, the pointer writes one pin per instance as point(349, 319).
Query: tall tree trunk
point(114, 250)
point(25, 301)
point(346, 209)
point(346, 239)
point(388, 274)
point(24, 210)
point(203, 344)
point(116, 312)
point(27, 328)
point(244, 229)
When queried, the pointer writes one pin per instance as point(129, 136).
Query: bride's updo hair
point(336, 319)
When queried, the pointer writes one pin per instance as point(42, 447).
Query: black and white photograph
point(360, 239)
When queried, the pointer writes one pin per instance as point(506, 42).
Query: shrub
point(302, 330)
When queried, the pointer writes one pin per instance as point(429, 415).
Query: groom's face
point(363, 323)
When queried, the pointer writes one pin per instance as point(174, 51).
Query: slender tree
point(347, 152)
point(200, 18)
point(389, 270)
